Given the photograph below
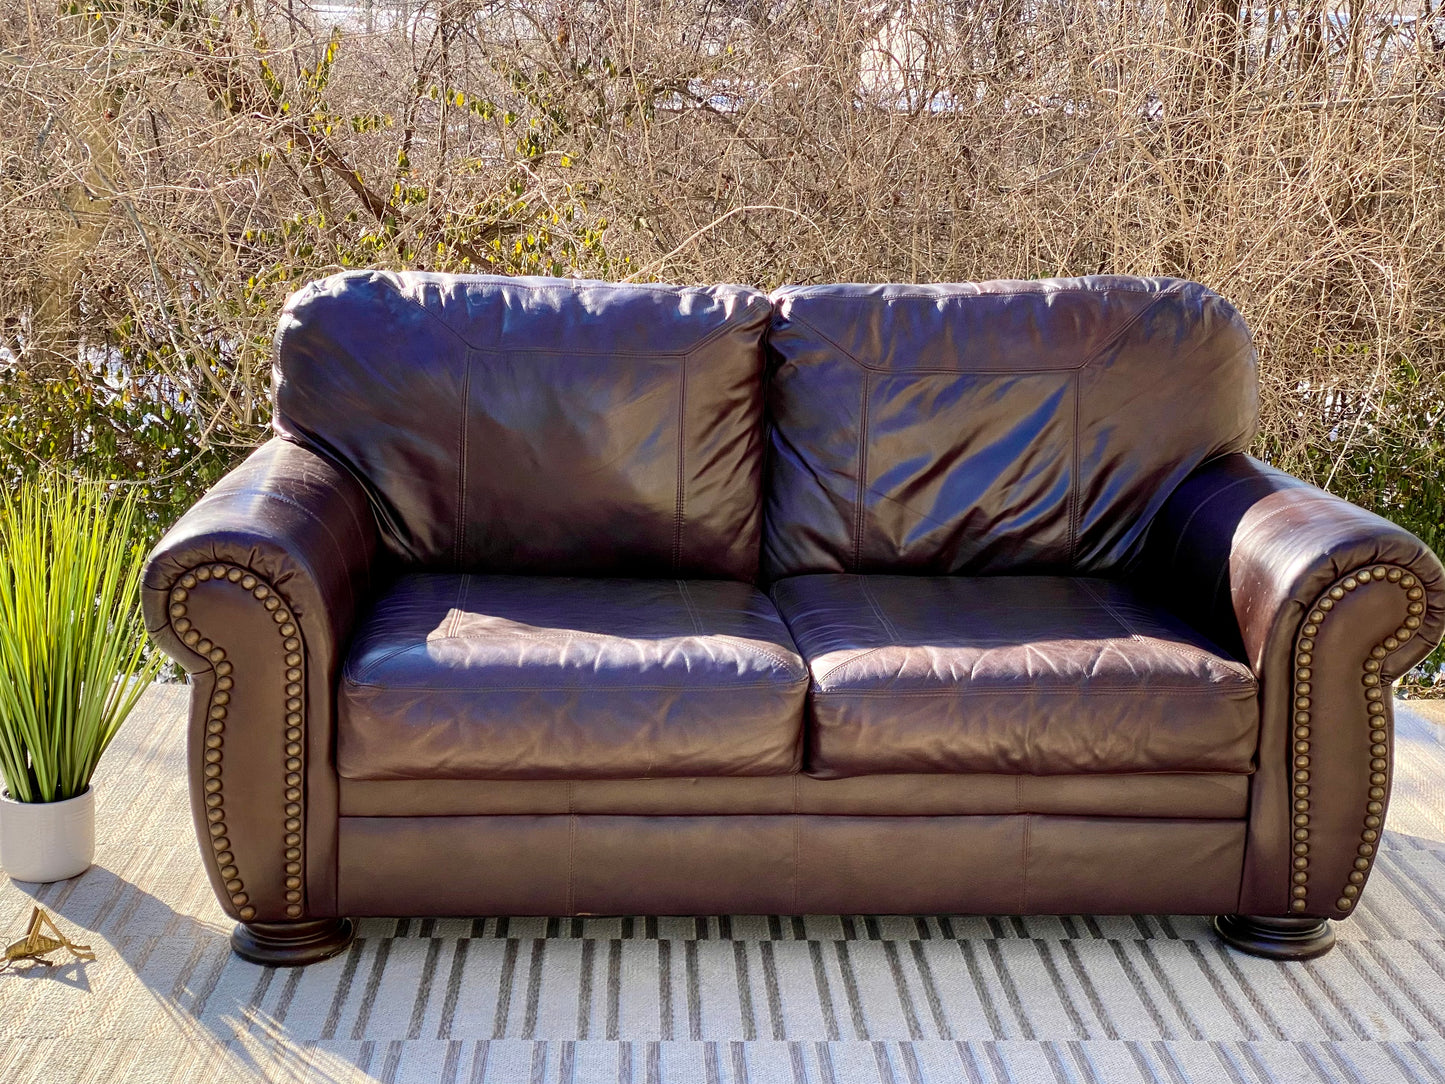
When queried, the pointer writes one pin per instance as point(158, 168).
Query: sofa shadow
point(211, 996)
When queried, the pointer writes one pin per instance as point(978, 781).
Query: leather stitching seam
point(1027, 848)
point(862, 476)
point(460, 527)
point(681, 465)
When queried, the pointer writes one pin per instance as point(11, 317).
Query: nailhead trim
point(216, 710)
point(1379, 749)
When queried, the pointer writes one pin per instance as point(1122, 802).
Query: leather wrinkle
point(560, 636)
point(1138, 638)
point(982, 648)
point(460, 529)
point(678, 409)
point(562, 677)
point(859, 502)
point(1159, 296)
point(553, 291)
point(311, 514)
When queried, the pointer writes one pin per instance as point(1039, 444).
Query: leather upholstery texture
point(287, 534)
point(1329, 603)
point(517, 677)
point(528, 425)
point(996, 427)
point(787, 865)
point(1036, 674)
point(1205, 797)
point(477, 633)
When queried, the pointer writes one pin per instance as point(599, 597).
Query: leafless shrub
point(173, 168)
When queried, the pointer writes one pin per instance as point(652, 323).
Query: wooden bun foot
point(291, 944)
point(1277, 938)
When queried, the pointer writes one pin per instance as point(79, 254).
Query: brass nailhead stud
point(293, 911)
point(247, 913)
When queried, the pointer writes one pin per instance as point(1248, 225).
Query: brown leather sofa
point(556, 597)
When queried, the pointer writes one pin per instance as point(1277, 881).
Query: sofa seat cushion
point(518, 677)
point(1037, 674)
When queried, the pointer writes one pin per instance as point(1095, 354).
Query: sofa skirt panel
point(670, 865)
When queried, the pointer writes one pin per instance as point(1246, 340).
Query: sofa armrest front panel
point(1328, 604)
point(254, 592)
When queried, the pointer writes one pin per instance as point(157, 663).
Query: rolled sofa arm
point(1328, 603)
point(254, 592)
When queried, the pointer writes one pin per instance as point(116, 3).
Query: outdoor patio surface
point(822, 1000)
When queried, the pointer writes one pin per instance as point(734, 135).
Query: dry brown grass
point(172, 168)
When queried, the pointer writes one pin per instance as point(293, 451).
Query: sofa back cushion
point(996, 427)
point(530, 425)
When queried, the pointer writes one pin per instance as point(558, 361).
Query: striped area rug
point(751, 1000)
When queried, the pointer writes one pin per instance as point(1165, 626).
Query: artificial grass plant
point(73, 659)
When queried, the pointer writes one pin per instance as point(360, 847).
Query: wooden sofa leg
point(1277, 938)
point(291, 944)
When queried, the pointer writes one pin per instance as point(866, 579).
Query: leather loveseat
point(560, 597)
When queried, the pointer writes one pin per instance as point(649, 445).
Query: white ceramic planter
point(47, 841)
